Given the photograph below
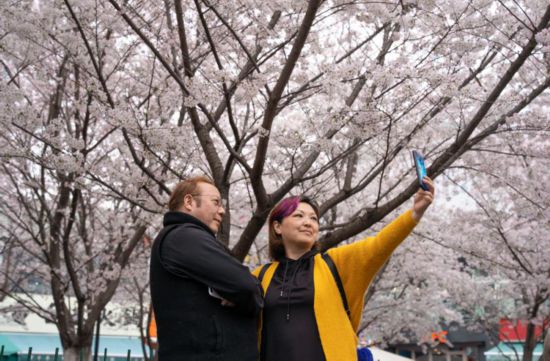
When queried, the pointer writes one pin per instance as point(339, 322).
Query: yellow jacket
point(357, 264)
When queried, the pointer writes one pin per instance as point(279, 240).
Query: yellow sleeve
point(358, 263)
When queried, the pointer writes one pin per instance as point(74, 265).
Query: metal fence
point(57, 356)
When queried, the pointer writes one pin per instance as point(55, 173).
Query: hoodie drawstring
point(284, 279)
point(289, 293)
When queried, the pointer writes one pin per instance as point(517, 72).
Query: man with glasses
point(206, 303)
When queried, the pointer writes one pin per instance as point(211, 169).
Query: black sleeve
point(189, 251)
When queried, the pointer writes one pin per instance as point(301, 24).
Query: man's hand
point(423, 199)
point(227, 303)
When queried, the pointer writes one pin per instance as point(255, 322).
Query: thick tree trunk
point(77, 353)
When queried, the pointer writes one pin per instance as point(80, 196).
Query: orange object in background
point(436, 338)
point(440, 336)
point(151, 338)
point(153, 326)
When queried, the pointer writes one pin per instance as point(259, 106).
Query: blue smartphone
point(420, 169)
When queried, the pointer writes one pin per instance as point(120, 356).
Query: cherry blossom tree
point(64, 223)
point(451, 79)
point(483, 258)
point(109, 103)
point(507, 243)
point(329, 97)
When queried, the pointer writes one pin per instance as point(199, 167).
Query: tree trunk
point(77, 353)
point(530, 342)
point(546, 349)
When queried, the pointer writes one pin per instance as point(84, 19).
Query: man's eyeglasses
point(218, 202)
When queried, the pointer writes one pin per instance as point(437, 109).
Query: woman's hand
point(423, 199)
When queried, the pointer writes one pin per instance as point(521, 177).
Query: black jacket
point(186, 259)
point(288, 317)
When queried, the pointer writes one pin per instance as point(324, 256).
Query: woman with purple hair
point(314, 301)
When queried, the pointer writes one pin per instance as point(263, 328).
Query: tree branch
point(271, 108)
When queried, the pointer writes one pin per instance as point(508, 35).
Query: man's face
point(206, 205)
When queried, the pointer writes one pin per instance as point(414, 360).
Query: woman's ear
point(277, 227)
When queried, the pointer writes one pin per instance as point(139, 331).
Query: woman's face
point(300, 228)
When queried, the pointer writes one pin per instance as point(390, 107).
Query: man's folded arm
point(191, 252)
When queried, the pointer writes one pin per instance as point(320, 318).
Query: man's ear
point(187, 202)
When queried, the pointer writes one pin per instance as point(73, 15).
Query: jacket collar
point(176, 217)
point(307, 255)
